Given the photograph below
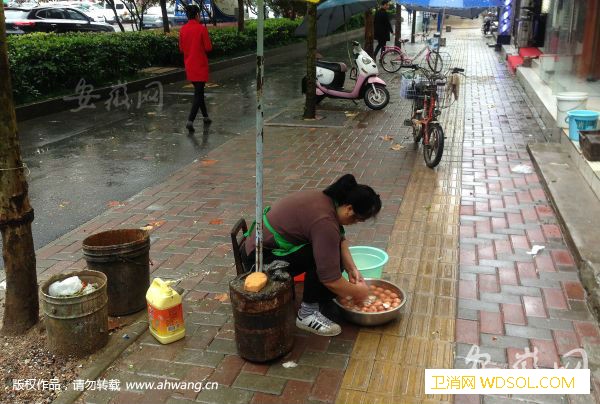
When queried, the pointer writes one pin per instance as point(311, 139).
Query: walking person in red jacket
point(194, 42)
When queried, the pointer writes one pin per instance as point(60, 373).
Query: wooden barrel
point(264, 321)
point(123, 255)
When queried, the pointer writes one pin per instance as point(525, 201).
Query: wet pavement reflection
point(86, 161)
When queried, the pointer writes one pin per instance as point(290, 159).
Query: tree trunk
point(165, 17)
point(111, 3)
point(398, 32)
point(310, 105)
point(369, 32)
point(413, 27)
point(21, 309)
point(240, 15)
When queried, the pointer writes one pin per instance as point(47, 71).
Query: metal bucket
point(78, 325)
point(123, 255)
point(264, 321)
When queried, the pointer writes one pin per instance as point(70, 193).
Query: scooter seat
point(334, 66)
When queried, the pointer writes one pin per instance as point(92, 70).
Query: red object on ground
point(299, 278)
point(529, 52)
point(513, 62)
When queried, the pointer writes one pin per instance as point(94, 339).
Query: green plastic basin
point(369, 261)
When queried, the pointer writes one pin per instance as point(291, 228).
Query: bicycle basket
point(421, 86)
point(434, 43)
point(410, 89)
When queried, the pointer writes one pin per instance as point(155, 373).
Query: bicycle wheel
point(432, 152)
point(434, 61)
point(391, 61)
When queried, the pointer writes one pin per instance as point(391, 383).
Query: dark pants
point(380, 46)
point(198, 101)
point(300, 261)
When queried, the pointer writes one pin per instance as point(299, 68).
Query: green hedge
point(43, 64)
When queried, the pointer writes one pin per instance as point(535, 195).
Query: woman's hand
point(354, 275)
point(360, 292)
point(341, 287)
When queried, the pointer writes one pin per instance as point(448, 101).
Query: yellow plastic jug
point(165, 312)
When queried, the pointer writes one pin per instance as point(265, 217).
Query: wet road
point(83, 162)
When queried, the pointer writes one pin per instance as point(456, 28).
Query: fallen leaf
point(211, 85)
point(115, 204)
point(188, 86)
point(206, 163)
point(113, 324)
point(397, 147)
point(387, 138)
point(216, 221)
point(222, 297)
point(151, 113)
point(290, 364)
point(351, 114)
point(152, 225)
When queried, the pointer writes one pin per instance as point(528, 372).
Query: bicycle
point(393, 58)
point(427, 106)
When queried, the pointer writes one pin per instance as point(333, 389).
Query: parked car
point(122, 12)
point(153, 17)
point(51, 19)
point(94, 10)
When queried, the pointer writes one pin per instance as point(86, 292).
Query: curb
point(587, 267)
point(58, 104)
point(104, 358)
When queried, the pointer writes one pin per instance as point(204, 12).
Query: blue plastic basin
point(581, 120)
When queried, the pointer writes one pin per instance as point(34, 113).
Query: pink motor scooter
point(331, 77)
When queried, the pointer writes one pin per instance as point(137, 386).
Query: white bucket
point(566, 102)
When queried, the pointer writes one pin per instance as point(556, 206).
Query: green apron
point(284, 246)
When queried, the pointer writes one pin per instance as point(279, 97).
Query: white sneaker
point(318, 324)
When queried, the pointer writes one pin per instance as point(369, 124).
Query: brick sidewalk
point(199, 205)
point(489, 293)
point(511, 302)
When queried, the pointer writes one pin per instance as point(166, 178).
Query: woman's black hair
point(192, 11)
point(363, 199)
